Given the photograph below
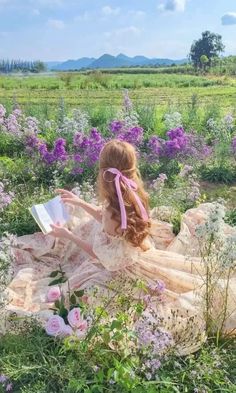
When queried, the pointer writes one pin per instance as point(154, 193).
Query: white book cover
point(51, 212)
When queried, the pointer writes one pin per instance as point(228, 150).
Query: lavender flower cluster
point(6, 383)
point(124, 132)
point(178, 145)
point(57, 154)
point(5, 197)
point(87, 149)
point(153, 343)
point(17, 124)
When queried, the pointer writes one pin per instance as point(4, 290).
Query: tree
point(210, 45)
point(204, 61)
point(39, 66)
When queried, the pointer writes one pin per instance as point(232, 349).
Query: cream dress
point(172, 259)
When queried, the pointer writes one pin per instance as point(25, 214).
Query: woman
point(119, 237)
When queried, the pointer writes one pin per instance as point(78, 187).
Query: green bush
point(216, 173)
point(231, 217)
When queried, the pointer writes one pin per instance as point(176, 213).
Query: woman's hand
point(60, 232)
point(69, 198)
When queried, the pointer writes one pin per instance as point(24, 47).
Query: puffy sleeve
point(114, 253)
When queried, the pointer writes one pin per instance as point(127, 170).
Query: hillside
point(109, 61)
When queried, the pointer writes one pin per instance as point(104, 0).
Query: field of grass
point(43, 93)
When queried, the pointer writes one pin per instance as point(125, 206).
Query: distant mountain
point(84, 62)
point(109, 61)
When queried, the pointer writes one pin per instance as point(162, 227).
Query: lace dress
point(171, 259)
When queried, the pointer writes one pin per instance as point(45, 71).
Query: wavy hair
point(122, 156)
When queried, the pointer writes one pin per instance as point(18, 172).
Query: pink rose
point(67, 331)
point(74, 317)
point(82, 328)
point(54, 293)
point(55, 326)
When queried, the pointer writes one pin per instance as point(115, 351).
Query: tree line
point(9, 66)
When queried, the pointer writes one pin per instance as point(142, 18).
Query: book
point(51, 212)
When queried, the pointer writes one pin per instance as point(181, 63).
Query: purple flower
point(5, 197)
point(12, 125)
point(116, 126)
point(128, 106)
point(78, 139)
point(133, 135)
point(175, 133)
point(9, 387)
point(178, 145)
point(32, 141)
point(77, 171)
point(157, 288)
point(88, 147)
point(155, 145)
point(59, 151)
point(17, 113)
point(78, 158)
point(56, 155)
point(95, 135)
point(3, 378)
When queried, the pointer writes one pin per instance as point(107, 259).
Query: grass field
point(43, 93)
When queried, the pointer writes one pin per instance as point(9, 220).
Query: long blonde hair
point(122, 156)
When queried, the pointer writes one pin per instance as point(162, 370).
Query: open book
point(51, 212)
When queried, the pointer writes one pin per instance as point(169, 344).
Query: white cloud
point(125, 31)
point(173, 6)
point(108, 10)
point(56, 24)
point(229, 18)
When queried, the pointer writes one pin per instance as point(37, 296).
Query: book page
point(51, 212)
point(57, 210)
point(44, 217)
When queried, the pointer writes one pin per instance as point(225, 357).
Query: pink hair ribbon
point(132, 186)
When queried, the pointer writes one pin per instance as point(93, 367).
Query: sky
point(57, 30)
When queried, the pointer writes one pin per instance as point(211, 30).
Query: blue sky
point(70, 29)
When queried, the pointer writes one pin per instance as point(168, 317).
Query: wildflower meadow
point(187, 156)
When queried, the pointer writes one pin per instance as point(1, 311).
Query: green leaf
point(79, 293)
point(116, 324)
point(54, 273)
point(60, 280)
point(57, 304)
point(73, 299)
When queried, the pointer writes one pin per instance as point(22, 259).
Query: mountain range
point(109, 61)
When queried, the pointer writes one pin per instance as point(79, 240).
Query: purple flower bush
point(76, 147)
point(126, 127)
point(87, 149)
point(179, 145)
point(17, 124)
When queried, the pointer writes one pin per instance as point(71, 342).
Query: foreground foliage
point(38, 364)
